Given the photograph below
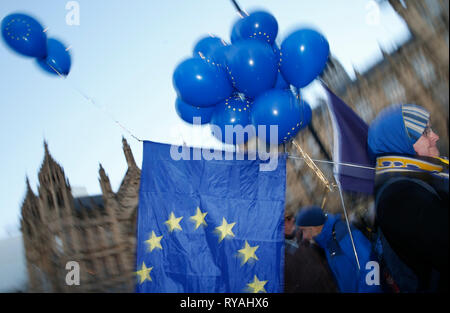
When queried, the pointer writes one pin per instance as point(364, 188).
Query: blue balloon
point(258, 25)
point(235, 112)
point(304, 56)
point(252, 66)
point(221, 55)
point(24, 35)
point(277, 52)
point(235, 31)
point(281, 83)
point(187, 112)
point(212, 49)
point(58, 60)
point(280, 108)
point(201, 84)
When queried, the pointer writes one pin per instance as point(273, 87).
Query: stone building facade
point(98, 232)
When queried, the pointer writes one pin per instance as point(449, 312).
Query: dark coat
point(413, 217)
point(307, 271)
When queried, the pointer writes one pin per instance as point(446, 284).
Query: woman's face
point(426, 144)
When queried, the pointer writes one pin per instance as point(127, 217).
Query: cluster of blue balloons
point(26, 36)
point(251, 80)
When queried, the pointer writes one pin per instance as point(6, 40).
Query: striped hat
point(416, 120)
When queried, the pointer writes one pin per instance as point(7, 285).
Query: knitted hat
point(396, 129)
point(311, 216)
point(416, 119)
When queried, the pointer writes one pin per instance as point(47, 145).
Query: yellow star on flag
point(154, 242)
point(199, 218)
point(257, 285)
point(225, 229)
point(248, 252)
point(144, 273)
point(173, 222)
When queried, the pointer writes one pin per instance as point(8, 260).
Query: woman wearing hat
point(411, 190)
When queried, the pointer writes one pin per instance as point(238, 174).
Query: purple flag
point(353, 168)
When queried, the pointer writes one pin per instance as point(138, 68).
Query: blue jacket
point(341, 258)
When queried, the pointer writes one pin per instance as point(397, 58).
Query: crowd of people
point(405, 249)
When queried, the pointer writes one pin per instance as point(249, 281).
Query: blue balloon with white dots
point(58, 60)
point(258, 25)
point(200, 83)
point(189, 113)
point(24, 35)
point(282, 109)
point(232, 117)
point(212, 49)
point(252, 66)
point(304, 54)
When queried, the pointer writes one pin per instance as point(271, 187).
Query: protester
point(332, 235)
point(307, 271)
point(306, 268)
point(411, 190)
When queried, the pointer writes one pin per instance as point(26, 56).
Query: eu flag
point(209, 225)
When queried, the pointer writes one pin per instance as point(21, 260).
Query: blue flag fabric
point(209, 226)
point(350, 147)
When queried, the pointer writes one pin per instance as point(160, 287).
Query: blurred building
point(416, 72)
point(98, 232)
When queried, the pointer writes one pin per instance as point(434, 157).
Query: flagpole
point(348, 224)
point(338, 183)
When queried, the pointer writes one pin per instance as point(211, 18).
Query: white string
point(92, 101)
point(332, 162)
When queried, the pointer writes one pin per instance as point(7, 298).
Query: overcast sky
point(124, 54)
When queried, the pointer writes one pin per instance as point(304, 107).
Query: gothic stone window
point(309, 182)
point(59, 244)
point(50, 200)
point(434, 7)
point(394, 91)
point(424, 69)
point(364, 109)
point(313, 146)
point(430, 10)
point(60, 199)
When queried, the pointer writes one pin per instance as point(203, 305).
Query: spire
point(104, 181)
point(384, 53)
point(30, 204)
point(50, 169)
point(47, 156)
point(357, 73)
point(46, 147)
point(128, 154)
point(29, 193)
point(28, 183)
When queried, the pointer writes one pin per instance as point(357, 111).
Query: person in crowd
point(306, 267)
point(290, 238)
point(331, 234)
point(411, 198)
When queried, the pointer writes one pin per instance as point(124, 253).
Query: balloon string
point(313, 166)
point(333, 162)
point(92, 102)
point(240, 12)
